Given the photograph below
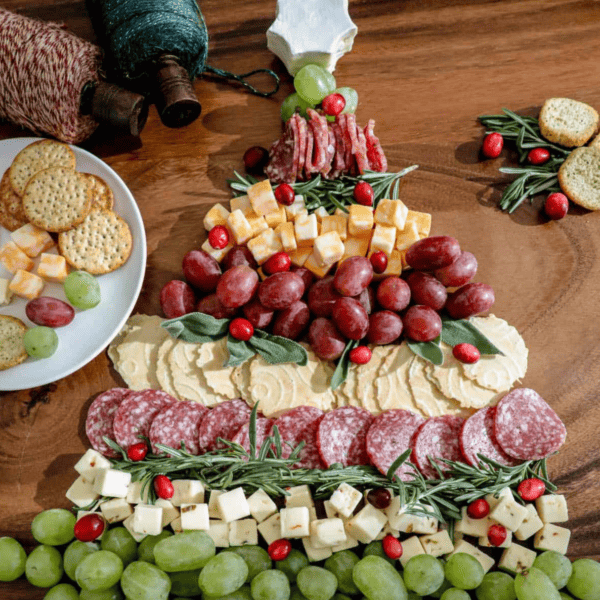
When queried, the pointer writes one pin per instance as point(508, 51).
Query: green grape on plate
point(556, 565)
point(12, 559)
point(378, 580)
point(464, 571)
point(82, 290)
point(112, 593)
point(185, 583)
point(54, 527)
point(289, 105)
point(99, 571)
point(313, 83)
point(40, 341)
point(292, 564)
point(257, 559)
point(423, 574)
point(121, 542)
point(144, 581)
point(76, 551)
point(317, 583)
point(184, 551)
point(146, 548)
point(455, 594)
point(584, 582)
point(341, 565)
point(534, 584)
point(270, 585)
point(44, 566)
point(223, 574)
point(496, 586)
point(62, 591)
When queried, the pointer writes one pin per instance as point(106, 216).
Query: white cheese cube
point(261, 505)
point(112, 483)
point(219, 532)
point(347, 545)
point(262, 198)
point(437, 544)
point(134, 493)
point(552, 537)
point(263, 246)
point(313, 265)
point(315, 554)
point(287, 236)
point(217, 253)
point(213, 507)
point(329, 248)
point(26, 285)
point(366, 524)
point(407, 236)
point(411, 547)
point(187, 491)
point(13, 259)
point(90, 462)
point(5, 293)
point(552, 508)
point(516, 559)
point(321, 213)
point(176, 525)
point(299, 495)
point(233, 505)
point(487, 562)
point(217, 215)
point(392, 213)
point(494, 499)
point(383, 239)
point(195, 517)
point(296, 208)
point(333, 513)
point(81, 493)
point(360, 220)
point(53, 267)
point(509, 513)
point(147, 519)
point(306, 228)
point(83, 513)
point(128, 524)
point(243, 533)
point(337, 223)
point(239, 227)
point(32, 240)
point(474, 527)
point(241, 203)
point(116, 510)
point(270, 528)
point(169, 512)
point(258, 224)
point(276, 218)
point(407, 523)
point(345, 499)
point(295, 522)
point(530, 525)
point(388, 530)
point(327, 532)
point(484, 541)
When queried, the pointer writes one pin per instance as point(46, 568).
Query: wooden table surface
point(424, 70)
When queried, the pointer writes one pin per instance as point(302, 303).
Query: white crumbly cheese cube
point(258, 224)
point(313, 264)
point(484, 541)
point(383, 239)
point(217, 253)
point(407, 523)
point(116, 510)
point(394, 267)
point(407, 236)
point(287, 236)
point(233, 505)
point(243, 533)
point(347, 545)
point(242, 203)
point(509, 514)
point(530, 525)
point(337, 223)
point(306, 229)
point(276, 218)
point(13, 259)
point(134, 493)
point(213, 507)
point(300, 256)
point(422, 221)
point(392, 213)
point(90, 462)
point(552, 537)
point(111, 482)
point(32, 240)
point(411, 547)
point(270, 528)
point(345, 499)
point(147, 519)
point(262, 198)
point(437, 544)
point(83, 513)
point(328, 532)
point(26, 285)
point(53, 267)
point(261, 505)
point(219, 532)
point(264, 245)
point(315, 554)
point(474, 527)
point(81, 493)
point(360, 220)
point(169, 512)
point(356, 246)
point(295, 522)
point(388, 530)
point(552, 508)
point(516, 559)
point(217, 215)
point(128, 524)
point(328, 248)
point(195, 517)
point(297, 207)
point(321, 213)
point(239, 227)
point(298, 495)
point(187, 491)
point(176, 525)
point(5, 293)
point(366, 524)
point(487, 562)
point(333, 513)
point(494, 499)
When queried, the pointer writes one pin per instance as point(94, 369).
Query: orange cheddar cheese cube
point(217, 253)
point(337, 223)
point(217, 215)
point(26, 284)
point(262, 198)
point(407, 237)
point(383, 238)
point(356, 246)
point(5, 293)
point(306, 229)
point(258, 224)
point(263, 246)
point(242, 203)
point(287, 236)
point(392, 213)
point(321, 213)
point(300, 256)
point(32, 240)
point(239, 226)
point(328, 248)
point(342, 213)
point(360, 220)
point(422, 221)
point(296, 208)
point(276, 218)
point(13, 259)
point(312, 264)
point(53, 267)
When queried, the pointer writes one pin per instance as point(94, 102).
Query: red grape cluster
point(349, 305)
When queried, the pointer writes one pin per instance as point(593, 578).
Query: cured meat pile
point(318, 146)
point(521, 427)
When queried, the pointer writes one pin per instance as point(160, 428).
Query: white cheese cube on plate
point(213, 507)
point(552, 537)
point(474, 527)
point(388, 530)
point(187, 491)
point(315, 554)
point(552, 508)
point(240, 228)
point(407, 523)
point(219, 532)
point(258, 224)
point(530, 525)
point(299, 495)
point(276, 218)
point(366, 524)
point(392, 213)
point(287, 236)
point(217, 215)
point(333, 513)
point(194, 517)
point(264, 245)
point(321, 213)
point(26, 285)
point(12, 258)
point(345, 499)
point(5, 293)
point(327, 532)
point(128, 524)
point(509, 514)
point(243, 533)
point(116, 510)
point(147, 519)
point(306, 229)
point(437, 544)
point(112, 483)
point(81, 493)
point(516, 559)
point(262, 198)
point(53, 267)
point(261, 505)
point(494, 499)
point(169, 512)
point(487, 562)
point(176, 525)
point(90, 462)
point(134, 493)
point(233, 505)
point(411, 547)
point(270, 528)
point(360, 220)
point(347, 545)
point(217, 253)
point(32, 240)
point(407, 236)
point(295, 522)
point(383, 239)
point(242, 203)
point(329, 248)
point(296, 208)
point(484, 541)
point(337, 223)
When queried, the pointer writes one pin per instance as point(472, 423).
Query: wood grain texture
point(424, 70)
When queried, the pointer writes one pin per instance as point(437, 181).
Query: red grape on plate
point(257, 314)
point(52, 312)
point(422, 323)
point(211, 305)
point(177, 298)
point(393, 293)
point(201, 270)
point(237, 286)
point(351, 318)
point(470, 300)
point(292, 321)
point(306, 275)
point(433, 253)
point(353, 276)
point(281, 290)
point(385, 327)
point(239, 255)
point(325, 339)
point(322, 296)
point(461, 271)
point(426, 289)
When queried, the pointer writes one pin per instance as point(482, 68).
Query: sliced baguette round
point(12, 350)
point(579, 177)
point(567, 122)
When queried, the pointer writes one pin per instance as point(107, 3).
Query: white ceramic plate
point(91, 330)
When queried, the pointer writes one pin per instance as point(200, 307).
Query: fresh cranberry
point(363, 193)
point(137, 451)
point(218, 237)
point(392, 547)
point(278, 263)
point(89, 527)
point(241, 329)
point(256, 159)
point(492, 145)
point(333, 104)
point(163, 487)
point(379, 260)
point(531, 489)
point(538, 156)
point(556, 206)
point(284, 194)
point(466, 353)
point(360, 355)
point(497, 535)
point(279, 549)
point(478, 509)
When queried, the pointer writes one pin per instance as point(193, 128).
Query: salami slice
point(222, 421)
point(352, 134)
point(177, 423)
point(339, 163)
point(318, 124)
point(308, 160)
point(292, 124)
point(263, 429)
point(389, 436)
point(279, 169)
point(526, 427)
point(100, 418)
point(136, 413)
point(438, 437)
point(330, 153)
point(341, 437)
point(302, 133)
point(349, 162)
point(375, 153)
point(300, 425)
point(478, 437)
point(362, 161)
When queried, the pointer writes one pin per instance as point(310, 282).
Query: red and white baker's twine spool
point(43, 70)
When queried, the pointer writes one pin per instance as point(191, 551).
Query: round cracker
point(12, 215)
point(57, 199)
point(102, 195)
point(101, 244)
point(12, 350)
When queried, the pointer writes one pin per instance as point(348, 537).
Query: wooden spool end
point(175, 99)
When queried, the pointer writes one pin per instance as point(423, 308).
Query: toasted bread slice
point(579, 177)
point(568, 122)
point(12, 350)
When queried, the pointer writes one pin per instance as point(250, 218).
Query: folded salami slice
point(341, 437)
point(526, 427)
point(349, 161)
point(438, 437)
point(263, 429)
point(330, 153)
point(389, 436)
point(339, 165)
point(318, 124)
point(303, 135)
point(352, 134)
point(178, 423)
point(308, 160)
point(100, 418)
point(222, 421)
point(300, 425)
point(360, 155)
point(294, 128)
point(375, 153)
point(280, 168)
point(478, 437)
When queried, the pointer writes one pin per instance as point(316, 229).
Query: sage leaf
point(276, 349)
point(197, 327)
point(343, 364)
point(239, 352)
point(461, 331)
point(430, 351)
